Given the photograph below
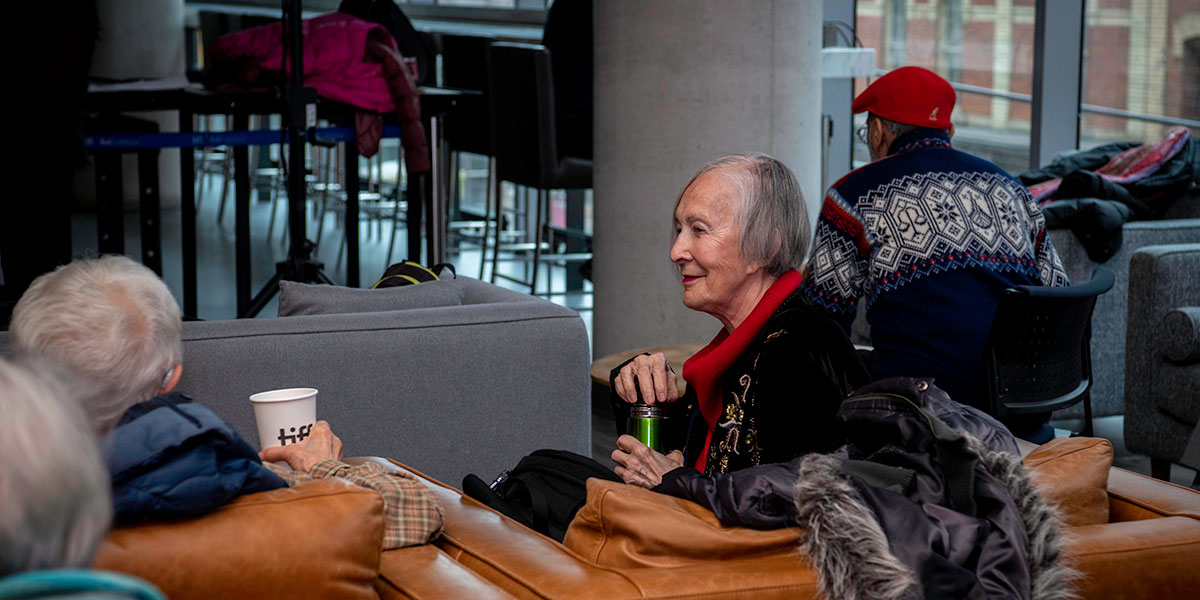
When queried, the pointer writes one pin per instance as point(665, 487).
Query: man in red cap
point(928, 237)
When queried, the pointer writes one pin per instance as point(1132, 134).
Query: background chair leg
point(1160, 468)
point(226, 180)
point(487, 222)
point(542, 196)
point(496, 237)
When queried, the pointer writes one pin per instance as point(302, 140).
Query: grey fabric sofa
point(449, 390)
point(1162, 365)
point(1108, 320)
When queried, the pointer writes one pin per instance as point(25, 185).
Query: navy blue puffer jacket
point(171, 458)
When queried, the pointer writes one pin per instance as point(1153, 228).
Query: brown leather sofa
point(1148, 548)
point(319, 540)
point(315, 542)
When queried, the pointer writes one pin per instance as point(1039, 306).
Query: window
point(1141, 69)
point(983, 47)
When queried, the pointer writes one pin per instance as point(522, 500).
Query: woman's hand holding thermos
point(639, 465)
point(648, 378)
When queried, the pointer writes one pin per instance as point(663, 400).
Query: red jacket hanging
point(345, 59)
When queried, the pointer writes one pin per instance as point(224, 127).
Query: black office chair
point(464, 67)
point(1038, 353)
point(524, 142)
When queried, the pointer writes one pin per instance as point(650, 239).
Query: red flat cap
point(909, 95)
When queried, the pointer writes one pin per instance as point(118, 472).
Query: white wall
point(677, 84)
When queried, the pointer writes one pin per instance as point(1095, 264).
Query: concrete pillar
point(678, 83)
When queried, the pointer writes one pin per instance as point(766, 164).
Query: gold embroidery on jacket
point(737, 430)
point(734, 414)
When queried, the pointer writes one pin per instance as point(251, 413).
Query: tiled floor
point(215, 266)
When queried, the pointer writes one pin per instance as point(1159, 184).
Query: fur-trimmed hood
point(912, 508)
point(927, 499)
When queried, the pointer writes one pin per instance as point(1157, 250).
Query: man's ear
point(171, 379)
point(875, 136)
point(950, 131)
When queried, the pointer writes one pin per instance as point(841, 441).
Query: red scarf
point(703, 370)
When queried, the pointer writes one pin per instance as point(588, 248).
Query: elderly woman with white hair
point(54, 500)
point(767, 388)
point(112, 326)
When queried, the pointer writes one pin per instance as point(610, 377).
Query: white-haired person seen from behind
point(113, 327)
point(54, 501)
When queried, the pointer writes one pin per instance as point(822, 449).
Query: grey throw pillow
point(309, 299)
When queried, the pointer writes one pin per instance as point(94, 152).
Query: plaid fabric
point(411, 513)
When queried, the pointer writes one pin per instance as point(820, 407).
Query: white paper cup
point(284, 416)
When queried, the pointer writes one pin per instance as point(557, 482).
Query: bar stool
point(524, 143)
point(464, 67)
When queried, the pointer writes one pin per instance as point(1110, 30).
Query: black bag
point(407, 272)
point(543, 492)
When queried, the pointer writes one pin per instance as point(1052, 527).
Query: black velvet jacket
point(781, 395)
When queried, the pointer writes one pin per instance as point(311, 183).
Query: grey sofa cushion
point(308, 299)
point(449, 390)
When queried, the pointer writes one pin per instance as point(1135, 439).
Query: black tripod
point(299, 264)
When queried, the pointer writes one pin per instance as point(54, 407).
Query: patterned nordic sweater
point(928, 237)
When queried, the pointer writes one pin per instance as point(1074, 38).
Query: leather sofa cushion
point(624, 526)
point(420, 572)
point(1073, 473)
point(1152, 559)
point(318, 540)
point(297, 299)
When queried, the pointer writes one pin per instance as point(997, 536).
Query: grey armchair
point(1180, 226)
point(1162, 356)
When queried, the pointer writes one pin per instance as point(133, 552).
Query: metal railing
point(1083, 108)
point(1116, 112)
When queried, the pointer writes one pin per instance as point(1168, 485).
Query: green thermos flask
point(645, 424)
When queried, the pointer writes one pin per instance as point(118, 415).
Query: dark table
point(107, 144)
point(108, 106)
point(189, 101)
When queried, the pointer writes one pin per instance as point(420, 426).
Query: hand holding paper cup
point(284, 416)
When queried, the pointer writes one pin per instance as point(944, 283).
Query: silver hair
point(54, 489)
point(772, 213)
point(896, 129)
point(111, 323)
